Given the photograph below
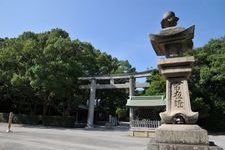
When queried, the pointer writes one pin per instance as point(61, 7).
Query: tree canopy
point(39, 71)
point(207, 83)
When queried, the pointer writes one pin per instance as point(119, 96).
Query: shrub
point(4, 117)
point(122, 113)
point(27, 119)
point(59, 121)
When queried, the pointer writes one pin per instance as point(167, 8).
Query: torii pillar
point(91, 107)
point(131, 93)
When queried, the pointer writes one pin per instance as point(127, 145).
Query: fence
point(145, 123)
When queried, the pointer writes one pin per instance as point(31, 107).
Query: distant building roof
point(146, 101)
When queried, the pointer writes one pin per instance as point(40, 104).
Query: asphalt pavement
point(25, 137)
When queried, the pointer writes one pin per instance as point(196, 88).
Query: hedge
point(27, 119)
point(4, 117)
point(58, 121)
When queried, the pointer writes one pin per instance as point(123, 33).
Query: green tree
point(39, 71)
point(157, 84)
point(207, 83)
point(54, 75)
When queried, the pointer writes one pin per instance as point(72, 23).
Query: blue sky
point(118, 27)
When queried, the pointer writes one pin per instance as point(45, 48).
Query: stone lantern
point(178, 131)
point(173, 42)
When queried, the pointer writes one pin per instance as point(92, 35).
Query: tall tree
point(207, 83)
point(38, 72)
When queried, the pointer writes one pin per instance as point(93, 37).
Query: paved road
point(42, 138)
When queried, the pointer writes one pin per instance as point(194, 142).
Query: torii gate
point(131, 85)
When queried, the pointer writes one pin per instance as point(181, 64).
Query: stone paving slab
point(44, 138)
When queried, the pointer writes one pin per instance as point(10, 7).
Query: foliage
point(39, 71)
point(157, 84)
point(65, 121)
point(4, 117)
point(27, 119)
point(121, 113)
point(207, 84)
point(60, 121)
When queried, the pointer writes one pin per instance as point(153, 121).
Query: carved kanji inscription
point(177, 96)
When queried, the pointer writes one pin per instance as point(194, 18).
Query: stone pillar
point(112, 81)
point(131, 93)
point(178, 107)
point(131, 113)
point(132, 86)
point(91, 104)
point(10, 122)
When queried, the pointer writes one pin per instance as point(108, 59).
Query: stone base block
point(182, 134)
point(181, 137)
point(142, 132)
point(153, 145)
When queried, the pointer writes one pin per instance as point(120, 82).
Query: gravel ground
point(44, 138)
